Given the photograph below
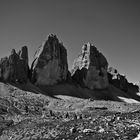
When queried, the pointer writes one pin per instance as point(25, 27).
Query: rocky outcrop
point(120, 81)
point(15, 67)
point(90, 68)
point(117, 79)
point(50, 64)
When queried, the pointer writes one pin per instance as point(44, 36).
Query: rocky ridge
point(82, 106)
point(120, 81)
point(50, 67)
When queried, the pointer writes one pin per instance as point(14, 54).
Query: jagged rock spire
point(50, 64)
point(15, 67)
point(90, 68)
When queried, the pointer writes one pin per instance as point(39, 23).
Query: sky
point(113, 26)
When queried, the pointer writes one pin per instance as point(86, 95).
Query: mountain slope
point(27, 115)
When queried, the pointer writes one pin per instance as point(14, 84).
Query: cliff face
point(15, 67)
point(50, 64)
point(90, 68)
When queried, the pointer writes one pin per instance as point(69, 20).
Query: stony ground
point(29, 116)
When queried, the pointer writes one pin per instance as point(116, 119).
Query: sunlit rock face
point(90, 68)
point(50, 64)
point(15, 67)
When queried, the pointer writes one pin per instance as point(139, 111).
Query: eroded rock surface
point(90, 68)
point(50, 64)
point(15, 67)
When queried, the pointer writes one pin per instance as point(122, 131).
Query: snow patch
point(138, 137)
point(128, 100)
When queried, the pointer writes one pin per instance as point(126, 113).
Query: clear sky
point(113, 26)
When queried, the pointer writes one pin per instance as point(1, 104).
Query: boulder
point(15, 67)
point(90, 68)
point(50, 64)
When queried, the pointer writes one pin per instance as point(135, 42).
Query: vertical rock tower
point(90, 68)
point(50, 64)
point(15, 67)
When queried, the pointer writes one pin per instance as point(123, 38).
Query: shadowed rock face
point(90, 68)
point(121, 82)
point(50, 64)
point(117, 79)
point(15, 67)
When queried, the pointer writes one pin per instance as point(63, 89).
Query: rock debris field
point(29, 116)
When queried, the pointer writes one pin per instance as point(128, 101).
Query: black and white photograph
point(69, 69)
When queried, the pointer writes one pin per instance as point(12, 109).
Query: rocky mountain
point(90, 68)
point(90, 76)
point(15, 67)
point(45, 101)
point(50, 64)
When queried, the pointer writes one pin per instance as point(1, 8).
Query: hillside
point(27, 115)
